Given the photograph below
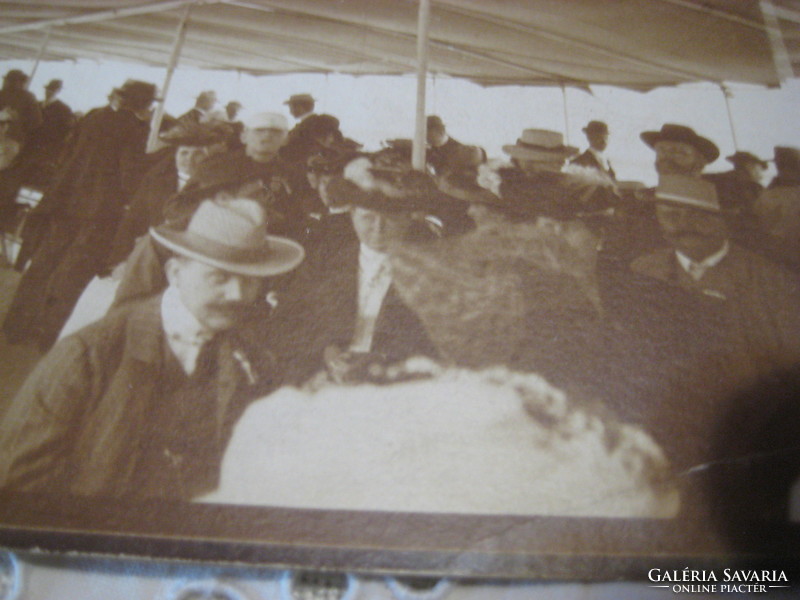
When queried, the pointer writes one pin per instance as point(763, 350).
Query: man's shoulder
point(136, 320)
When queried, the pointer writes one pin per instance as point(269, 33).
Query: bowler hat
point(300, 98)
point(743, 158)
point(232, 235)
point(54, 84)
point(670, 132)
point(434, 122)
point(540, 144)
point(691, 192)
point(317, 126)
point(596, 127)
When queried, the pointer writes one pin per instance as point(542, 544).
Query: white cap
point(267, 120)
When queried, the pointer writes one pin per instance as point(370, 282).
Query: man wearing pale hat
point(679, 150)
point(539, 158)
point(594, 157)
point(263, 137)
point(742, 313)
point(141, 403)
point(759, 298)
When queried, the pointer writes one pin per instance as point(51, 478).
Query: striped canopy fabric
point(637, 44)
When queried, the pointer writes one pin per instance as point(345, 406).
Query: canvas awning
point(637, 44)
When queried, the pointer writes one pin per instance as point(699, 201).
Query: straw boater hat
point(232, 235)
point(540, 144)
point(690, 192)
point(670, 132)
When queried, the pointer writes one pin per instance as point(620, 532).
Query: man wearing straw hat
point(757, 298)
point(141, 404)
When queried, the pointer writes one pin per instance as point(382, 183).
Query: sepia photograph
point(502, 289)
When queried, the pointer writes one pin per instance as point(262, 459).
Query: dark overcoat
point(318, 308)
point(82, 422)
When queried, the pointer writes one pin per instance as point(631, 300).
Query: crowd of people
point(248, 255)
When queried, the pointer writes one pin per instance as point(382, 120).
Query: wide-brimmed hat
point(232, 235)
point(385, 182)
point(670, 132)
point(691, 192)
point(300, 98)
point(743, 158)
point(540, 144)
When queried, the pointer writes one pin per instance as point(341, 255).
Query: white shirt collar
point(698, 268)
point(183, 179)
point(185, 334)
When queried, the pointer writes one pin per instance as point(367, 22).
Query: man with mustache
point(679, 150)
point(141, 403)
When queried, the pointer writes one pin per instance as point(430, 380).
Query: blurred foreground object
point(491, 442)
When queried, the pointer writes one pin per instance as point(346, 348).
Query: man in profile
point(141, 403)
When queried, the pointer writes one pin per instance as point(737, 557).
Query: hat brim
point(686, 202)
point(743, 160)
point(703, 145)
point(276, 256)
point(520, 152)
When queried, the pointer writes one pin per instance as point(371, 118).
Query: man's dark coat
point(83, 420)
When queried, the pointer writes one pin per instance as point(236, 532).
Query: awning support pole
point(726, 92)
point(423, 23)
point(566, 114)
point(39, 55)
point(158, 113)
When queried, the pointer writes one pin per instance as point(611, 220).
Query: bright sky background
point(374, 108)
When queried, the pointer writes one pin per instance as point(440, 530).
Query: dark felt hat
point(138, 94)
point(54, 84)
point(670, 132)
point(595, 127)
point(317, 126)
point(300, 99)
point(743, 158)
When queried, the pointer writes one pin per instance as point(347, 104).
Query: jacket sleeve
point(37, 432)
